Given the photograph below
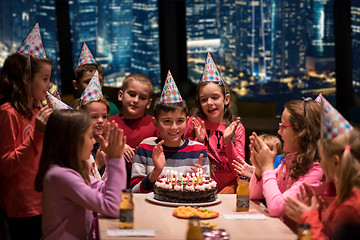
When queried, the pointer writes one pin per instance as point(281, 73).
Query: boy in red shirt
point(135, 96)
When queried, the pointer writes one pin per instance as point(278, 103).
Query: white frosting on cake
point(189, 187)
point(213, 183)
point(178, 187)
point(200, 187)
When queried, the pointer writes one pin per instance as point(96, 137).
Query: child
point(242, 168)
point(170, 152)
point(299, 129)
point(216, 127)
point(24, 81)
point(85, 70)
point(135, 96)
point(340, 160)
point(94, 103)
point(69, 194)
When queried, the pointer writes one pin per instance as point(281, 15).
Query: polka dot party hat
point(55, 103)
point(170, 92)
point(32, 45)
point(333, 124)
point(93, 90)
point(85, 56)
point(210, 72)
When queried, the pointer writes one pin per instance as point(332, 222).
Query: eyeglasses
point(282, 126)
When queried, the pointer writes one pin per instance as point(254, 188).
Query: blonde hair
point(349, 176)
point(138, 77)
point(82, 104)
point(270, 140)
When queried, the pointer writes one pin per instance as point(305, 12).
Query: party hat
point(170, 92)
point(85, 56)
point(333, 123)
point(318, 98)
point(55, 103)
point(33, 44)
point(93, 90)
point(210, 72)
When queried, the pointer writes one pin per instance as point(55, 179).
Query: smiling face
point(171, 126)
point(99, 116)
point(288, 135)
point(40, 83)
point(212, 101)
point(85, 149)
point(135, 99)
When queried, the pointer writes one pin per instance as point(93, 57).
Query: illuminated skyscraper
point(355, 27)
point(145, 32)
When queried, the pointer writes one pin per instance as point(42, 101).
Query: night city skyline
point(263, 48)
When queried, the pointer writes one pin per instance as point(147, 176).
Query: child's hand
point(100, 158)
point(114, 146)
point(197, 165)
point(42, 118)
point(200, 130)
point(242, 168)
point(295, 208)
point(159, 160)
point(230, 131)
point(129, 153)
point(263, 156)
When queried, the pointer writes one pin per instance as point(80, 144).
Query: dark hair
point(13, 89)
point(138, 77)
point(169, 107)
point(89, 67)
point(228, 109)
point(64, 135)
point(307, 126)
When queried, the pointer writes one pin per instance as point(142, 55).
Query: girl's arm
point(275, 199)
point(102, 197)
point(12, 154)
point(233, 151)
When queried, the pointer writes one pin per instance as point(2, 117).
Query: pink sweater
point(20, 150)
point(220, 155)
point(275, 185)
point(68, 201)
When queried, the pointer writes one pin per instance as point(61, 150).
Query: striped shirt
point(178, 159)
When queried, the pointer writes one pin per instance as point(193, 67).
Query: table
point(148, 215)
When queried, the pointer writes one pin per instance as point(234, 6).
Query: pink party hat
point(55, 103)
point(210, 72)
point(93, 90)
point(170, 92)
point(33, 44)
point(333, 123)
point(318, 98)
point(85, 56)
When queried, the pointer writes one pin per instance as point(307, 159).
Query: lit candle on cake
point(175, 180)
point(181, 178)
point(171, 178)
point(188, 178)
point(201, 175)
point(167, 175)
point(193, 178)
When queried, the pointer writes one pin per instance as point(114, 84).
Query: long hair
point(63, 139)
point(305, 117)
point(228, 115)
point(349, 176)
point(13, 88)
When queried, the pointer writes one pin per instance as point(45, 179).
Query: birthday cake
point(185, 190)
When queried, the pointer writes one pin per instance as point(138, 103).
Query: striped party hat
point(85, 56)
point(55, 103)
point(210, 72)
point(32, 45)
point(170, 92)
point(333, 123)
point(93, 90)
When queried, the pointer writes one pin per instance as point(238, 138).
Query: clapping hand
point(199, 128)
point(230, 130)
point(307, 200)
point(263, 156)
point(198, 165)
point(114, 144)
point(129, 153)
point(42, 117)
point(242, 168)
point(159, 160)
